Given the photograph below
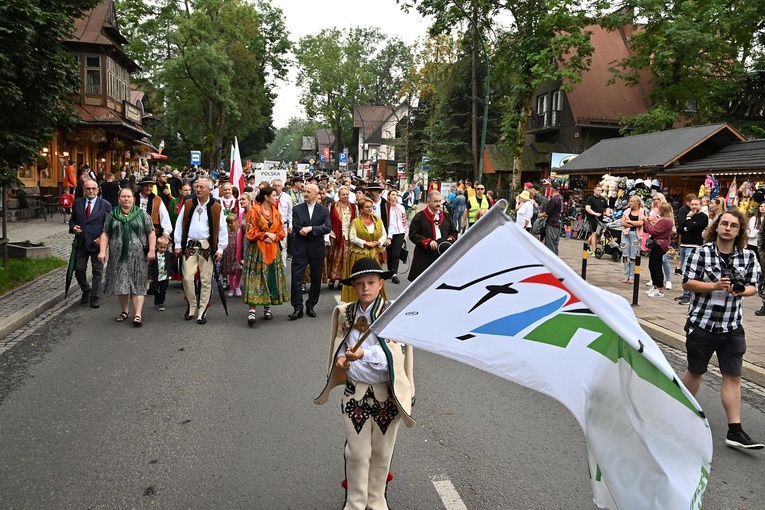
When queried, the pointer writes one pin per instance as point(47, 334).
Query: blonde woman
point(632, 232)
point(660, 230)
point(656, 200)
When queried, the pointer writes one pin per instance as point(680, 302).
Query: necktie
point(87, 211)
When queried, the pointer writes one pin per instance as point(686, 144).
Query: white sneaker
point(655, 293)
point(668, 285)
point(649, 283)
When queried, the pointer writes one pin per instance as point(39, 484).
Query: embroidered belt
point(195, 247)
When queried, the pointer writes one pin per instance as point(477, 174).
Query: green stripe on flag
point(560, 329)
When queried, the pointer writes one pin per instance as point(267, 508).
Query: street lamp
point(486, 99)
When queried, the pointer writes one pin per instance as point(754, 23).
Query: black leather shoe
point(85, 297)
point(188, 315)
point(395, 279)
point(202, 318)
point(309, 312)
point(297, 314)
point(94, 302)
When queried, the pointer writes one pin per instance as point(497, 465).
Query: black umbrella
point(70, 267)
point(219, 284)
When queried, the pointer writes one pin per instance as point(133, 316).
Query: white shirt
point(199, 228)
point(378, 208)
point(396, 220)
point(285, 208)
point(164, 216)
point(372, 368)
point(310, 209)
point(524, 214)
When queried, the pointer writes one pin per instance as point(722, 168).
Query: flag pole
point(361, 340)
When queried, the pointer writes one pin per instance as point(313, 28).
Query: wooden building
point(110, 130)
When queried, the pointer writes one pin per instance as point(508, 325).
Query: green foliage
point(214, 65)
point(20, 271)
point(36, 77)
point(339, 70)
point(288, 140)
point(695, 53)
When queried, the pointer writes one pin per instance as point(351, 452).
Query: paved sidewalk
point(663, 318)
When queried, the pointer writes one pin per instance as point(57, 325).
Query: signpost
point(196, 158)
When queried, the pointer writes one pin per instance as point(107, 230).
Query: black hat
point(555, 184)
point(146, 181)
point(443, 246)
point(297, 179)
point(364, 267)
point(374, 187)
point(390, 183)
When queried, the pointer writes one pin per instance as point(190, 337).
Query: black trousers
point(655, 266)
point(299, 263)
point(81, 267)
point(159, 297)
point(394, 251)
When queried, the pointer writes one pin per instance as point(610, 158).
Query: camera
point(735, 278)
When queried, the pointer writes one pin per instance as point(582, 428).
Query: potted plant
point(29, 250)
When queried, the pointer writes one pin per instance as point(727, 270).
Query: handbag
point(403, 255)
point(649, 244)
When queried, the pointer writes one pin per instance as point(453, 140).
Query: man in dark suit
point(87, 223)
point(310, 223)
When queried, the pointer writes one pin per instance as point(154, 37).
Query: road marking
point(449, 495)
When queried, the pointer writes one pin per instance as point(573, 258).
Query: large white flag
point(237, 174)
point(500, 301)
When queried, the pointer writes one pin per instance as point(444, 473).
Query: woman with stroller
point(632, 232)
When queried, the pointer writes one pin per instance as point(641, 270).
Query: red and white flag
point(236, 176)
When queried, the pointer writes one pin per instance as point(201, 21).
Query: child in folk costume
point(231, 266)
point(379, 388)
point(160, 272)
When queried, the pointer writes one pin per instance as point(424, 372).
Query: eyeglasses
point(91, 187)
point(732, 226)
point(480, 189)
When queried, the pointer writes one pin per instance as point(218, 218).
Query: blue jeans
point(630, 247)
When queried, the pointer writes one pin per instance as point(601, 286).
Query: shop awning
point(157, 155)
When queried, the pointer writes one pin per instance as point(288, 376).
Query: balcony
point(543, 121)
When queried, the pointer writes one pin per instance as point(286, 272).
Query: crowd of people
point(193, 227)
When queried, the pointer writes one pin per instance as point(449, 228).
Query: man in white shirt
point(284, 202)
point(201, 235)
point(154, 207)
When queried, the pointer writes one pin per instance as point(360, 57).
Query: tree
point(37, 75)
point(288, 140)
point(546, 41)
point(339, 70)
point(692, 51)
point(214, 65)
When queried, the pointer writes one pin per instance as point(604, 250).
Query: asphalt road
point(100, 415)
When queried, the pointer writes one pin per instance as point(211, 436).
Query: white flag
point(518, 311)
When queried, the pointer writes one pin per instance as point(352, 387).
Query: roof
point(593, 100)
point(99, 27)
point(654, 150)
point(325, 138)
point(747, 156)
point(100, 116)
point(370, 117)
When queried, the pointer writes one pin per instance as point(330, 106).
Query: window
point(117, 81)
point(557, 106)
point(93, 75)
point(542, 110)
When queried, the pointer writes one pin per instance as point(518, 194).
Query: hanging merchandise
point(731, 199)
point(759, 193)
point(703, 191)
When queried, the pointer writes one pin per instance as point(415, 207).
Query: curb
point(749, 371)
point(31, 311)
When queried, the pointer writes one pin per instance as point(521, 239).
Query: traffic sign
point(196, 158)
point(321, 158)
point(343, 157)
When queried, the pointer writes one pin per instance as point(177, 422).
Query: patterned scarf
point(432, 219)
point(133, 221)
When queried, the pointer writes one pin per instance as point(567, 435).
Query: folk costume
point(155, 208)
point(200, 233)
point(358, 234)
point(339, 240)
point(379, 392)
point(230, 206)
point(427, 226)
point(264, 278)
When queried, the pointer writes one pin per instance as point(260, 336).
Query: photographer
point(719, 274)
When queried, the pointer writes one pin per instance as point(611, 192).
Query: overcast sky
point(304, 17)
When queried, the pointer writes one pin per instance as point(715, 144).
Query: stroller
point(610, 239)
